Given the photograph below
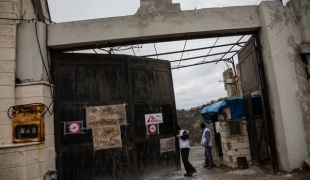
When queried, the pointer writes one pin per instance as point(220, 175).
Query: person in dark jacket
point(206, 141)
point(184, 147)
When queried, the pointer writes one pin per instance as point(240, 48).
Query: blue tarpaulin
point(236, 108)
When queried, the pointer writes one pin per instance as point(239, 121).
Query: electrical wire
point(47, 108)
point(47, 73)
point(18, 19)
point(46, 17)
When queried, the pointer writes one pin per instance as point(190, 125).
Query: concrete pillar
point(280, 57)
point(30, 57)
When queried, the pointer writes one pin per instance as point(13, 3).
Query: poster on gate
point(107, 137)
point(153, 118)
point(101, 116)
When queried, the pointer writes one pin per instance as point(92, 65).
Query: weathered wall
point(300, 19)
point(280, 56)
point(21, 161)
point(153, 21)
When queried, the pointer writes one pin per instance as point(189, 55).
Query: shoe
point(209, 167)
point(187, 175)
point(205, 166)
point(192, 172)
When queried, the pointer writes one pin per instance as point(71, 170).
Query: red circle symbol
point(74, 127)
point(152, 128)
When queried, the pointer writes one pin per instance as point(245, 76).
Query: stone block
point(29, 91)
point(4, 118)
point(16, 173)
point(220, 117)
point(245, 138)
point(7, 30)
point(7, 42)
point(233, 152)
point(8, 7)
point(49, 165)
point(47, 91)
point(225, 134)
point(8, 15)
point(245, 145)
point(223, 140)
point(7, 54)
point(49, 141)
point(226, 109)
point(34, 157)
point(5, 141)
point(49, 128)
point(11, 160)
point(234, 139)
point(35, 147)
point(7, 66)
point(236, 145)
point(7, 92)
point(49, 118)
point(34, 171)
point(244, 132)
point(245, 151)
point(7, 79)
point(5, 132)
point(20, 101)
point(224, 127)
point(227, 116)
point(248, 157)
point(49, 153)
point(225, 158)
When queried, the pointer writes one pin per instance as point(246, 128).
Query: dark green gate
point(145, 85)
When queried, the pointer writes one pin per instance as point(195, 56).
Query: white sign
point(153, 118)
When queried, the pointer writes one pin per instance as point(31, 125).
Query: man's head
point(178, 128)
point(203, 126)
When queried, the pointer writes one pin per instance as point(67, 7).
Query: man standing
point(184, 146)
point(206, 141)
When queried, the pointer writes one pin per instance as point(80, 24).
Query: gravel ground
point(197, 160)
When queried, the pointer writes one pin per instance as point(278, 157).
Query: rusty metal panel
point(28, 123)
point(248, 68)
point(100, 80)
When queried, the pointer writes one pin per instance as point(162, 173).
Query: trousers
point(187, 165)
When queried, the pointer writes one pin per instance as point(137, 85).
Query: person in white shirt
point(184, 147)
point(206, 141)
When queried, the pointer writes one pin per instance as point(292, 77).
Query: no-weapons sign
point(153, 118)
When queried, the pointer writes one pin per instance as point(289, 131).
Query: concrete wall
point(300, 19)
point(281, 57)
point(20, 161)
point(30, 66)
point(154, 19)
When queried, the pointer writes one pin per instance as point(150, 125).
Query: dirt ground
point(197, 160)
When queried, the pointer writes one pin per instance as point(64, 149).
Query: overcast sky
point(193, 86)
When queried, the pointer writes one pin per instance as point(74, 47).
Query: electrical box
point(28, 123)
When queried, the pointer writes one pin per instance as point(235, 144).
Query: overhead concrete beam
point(153, 21)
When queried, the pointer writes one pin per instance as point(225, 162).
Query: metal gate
point(145, 85)
point(253, 80)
